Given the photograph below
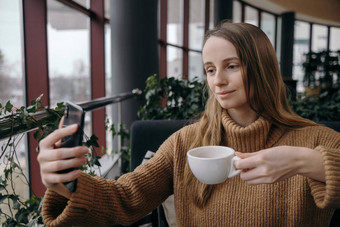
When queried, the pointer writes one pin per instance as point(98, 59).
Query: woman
point(290, 172)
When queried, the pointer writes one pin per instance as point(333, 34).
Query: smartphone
point(74, 114)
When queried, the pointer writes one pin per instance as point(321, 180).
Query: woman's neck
point(243, 118)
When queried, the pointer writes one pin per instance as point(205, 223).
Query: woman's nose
point(220, 78)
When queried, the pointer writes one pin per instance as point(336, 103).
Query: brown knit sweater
point(297, 201)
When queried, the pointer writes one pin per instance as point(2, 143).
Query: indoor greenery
point(322, 69)
point(23, 212)
point(325, 107)
point(170, 98)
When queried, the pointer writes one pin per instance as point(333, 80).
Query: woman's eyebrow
point(224, 60)
point(231, 59)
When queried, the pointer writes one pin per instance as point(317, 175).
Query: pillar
point(287, 45)
point(134, 50)
point(223, 10)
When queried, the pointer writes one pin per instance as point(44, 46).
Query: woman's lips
point(224, 93)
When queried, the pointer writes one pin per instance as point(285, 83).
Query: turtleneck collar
point(258, 135)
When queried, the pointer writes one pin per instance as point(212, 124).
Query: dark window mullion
point(206, 15)
point(97, 62)
point(275, 34)
point(185, 62)
point(163, 18)
point(310, 37)
point(243, 12)
point(328, 37)
point(36, 76)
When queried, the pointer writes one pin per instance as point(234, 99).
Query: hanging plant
point(21, 212)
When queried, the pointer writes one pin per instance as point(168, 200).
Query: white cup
point(212, 164)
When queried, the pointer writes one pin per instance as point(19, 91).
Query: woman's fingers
point(50, 180)
point(50, 140)
point(248, 161)
point(62, 153)
point(59, 165)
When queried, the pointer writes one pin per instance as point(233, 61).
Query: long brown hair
point(265, 90)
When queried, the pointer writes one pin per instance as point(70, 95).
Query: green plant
point(23, 212)
point(170, 98)
point(325, 107)
point(321, 69)
point(123, 135)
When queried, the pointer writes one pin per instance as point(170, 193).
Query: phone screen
point(73, 114)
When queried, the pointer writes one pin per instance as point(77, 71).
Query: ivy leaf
point(92, 141)
point(8, 106)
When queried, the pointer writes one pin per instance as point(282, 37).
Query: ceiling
point(325, 12)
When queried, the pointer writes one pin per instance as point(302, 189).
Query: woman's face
point(223, 70)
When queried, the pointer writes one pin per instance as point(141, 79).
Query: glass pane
point(319, 40)
point(68, 56)
point(211, 15)
point(174, 62)
point(268, 26)
point(175, 22)
point(278, 39)
point(84, 3)
point(334, 39)
point(107, 9)
point(108, 86)
point(251, 15)
point(301, 47)
point(195, 65)
point(237, 12)
point(196, 24)
point(12, 87)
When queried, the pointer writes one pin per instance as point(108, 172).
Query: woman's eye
point(233, 66)
point(209, 70)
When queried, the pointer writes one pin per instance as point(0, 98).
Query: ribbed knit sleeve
point(101, 202)
point(327, 195)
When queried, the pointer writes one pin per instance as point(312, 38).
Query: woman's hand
point(279, 163)
point(52, 159)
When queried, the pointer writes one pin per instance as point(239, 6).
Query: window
point(12, 84)
point(175, 22)
point(268, 26)
point(175, 36)
point(68, 56)
point(196, 24)
point(174, 62)
point(301, 47)
point(319, 40)
point(211, 14)
point(334, 39)
point(195, 65)
point(278, 40)
point(108, 85)
point(237, 11)
point(251, 15)
point(196, 34)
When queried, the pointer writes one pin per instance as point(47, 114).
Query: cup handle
point(233, 172)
